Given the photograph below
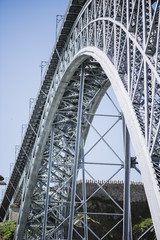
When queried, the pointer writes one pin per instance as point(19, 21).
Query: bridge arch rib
point(115, 34)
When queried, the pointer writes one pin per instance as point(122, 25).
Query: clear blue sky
point(27, 37)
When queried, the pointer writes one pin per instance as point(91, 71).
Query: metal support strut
point(84, 189)
point(127, 233)
point(48, 182)
point(79, 119)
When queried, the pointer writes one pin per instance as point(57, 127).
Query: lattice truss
point(64, 126)
point(136, 52)
point(128, 32)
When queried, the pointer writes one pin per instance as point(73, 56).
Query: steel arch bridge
point(101, 43)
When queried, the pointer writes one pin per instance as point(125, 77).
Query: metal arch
point(127, 109)
point(128, 49)
point(137, 137)
point(62, 117)
point(64, 153)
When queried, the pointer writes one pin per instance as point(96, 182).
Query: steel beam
point(48, 185)
point(79, 120)
point(127, 235)
point(84, 188)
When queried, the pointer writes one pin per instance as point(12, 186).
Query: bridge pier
point(13, 212)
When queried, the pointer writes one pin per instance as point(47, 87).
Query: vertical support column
point(79, 119)
point(81, 34)
point(94, 24)
point(87, 28)
point(145, 75)
point(48, 182)
point(26, 232)
point(115, 40)
point(104, 26)
point(146, 103)
point(129, 65)
point(127, 233)
point(128, 50)
point(84, 189)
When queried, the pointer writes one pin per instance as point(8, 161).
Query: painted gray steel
point(118, 43)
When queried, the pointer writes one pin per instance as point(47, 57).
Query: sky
point(27, 30)
point(27, 37)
